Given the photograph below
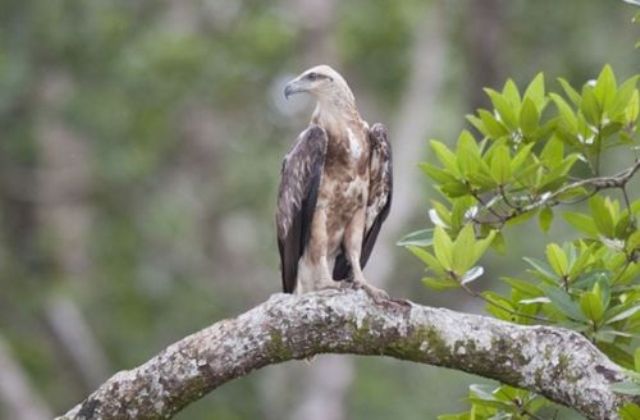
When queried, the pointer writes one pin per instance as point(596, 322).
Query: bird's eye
point(312, 76)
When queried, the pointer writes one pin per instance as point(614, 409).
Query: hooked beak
point(293, 87)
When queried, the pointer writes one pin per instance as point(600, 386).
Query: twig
point(550, 199)
point(497, 305)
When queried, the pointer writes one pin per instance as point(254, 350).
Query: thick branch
point(557, 363)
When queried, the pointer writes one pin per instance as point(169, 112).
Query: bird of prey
point(335, 190)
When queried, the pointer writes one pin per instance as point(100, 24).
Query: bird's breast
point(347, 152)
point(340, 198)
point(345, 181)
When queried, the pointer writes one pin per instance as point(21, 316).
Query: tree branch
point(521, 204)
point(557, 363)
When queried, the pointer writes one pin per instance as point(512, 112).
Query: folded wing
point(297, 196)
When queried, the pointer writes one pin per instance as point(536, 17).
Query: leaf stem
point(501, 307)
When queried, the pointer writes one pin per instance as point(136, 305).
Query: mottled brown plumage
point(335, 190)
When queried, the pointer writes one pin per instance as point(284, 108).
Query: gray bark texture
point(557, 363)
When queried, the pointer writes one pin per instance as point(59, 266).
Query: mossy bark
point(557, 363)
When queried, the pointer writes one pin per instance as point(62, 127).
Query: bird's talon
point(378, 295)
point(329, 285)
point(346, 285)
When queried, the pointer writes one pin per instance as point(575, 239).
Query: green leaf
point(520, 158)
point(440, 176)
point(573, 193)
point(603, 291)
point(553, 152)
point(523, 286)
point(633, 241)
point(623, 315)
point(443, 247)
point(568, 117)
point(589, 106)
point(446, 157)
point(430, 261)
point(631, 273)
point(481, 246)
point(573, 94)
point(511, 94)
point(494, 128)
point(562, 301)
point(626, 387)
point(630, 411)
point(557, 259)
point(468, 154)
point(579, 264)
point(541, 267)
point(535, 91)
point(601, 216)
point(606, 88)
point(617, 354)
point(463, 256)
point(591, 306)
point(633, 108)
point(586, 281)
point(623, 227)
point(610, 129)
point(460, 416)
point(454, 189)
point(503, 107)
point(422, 237)
point(545, 219)
point(636, 359)
point(553, 179)
point(501, 164)
point(496, 305)
point(582, 223)
point(529, 117)
point(460, 210)
point(495, 405)
point(499, 244)
point(440, 283)
point(478, 124)
point(608, 335)
point(623, 97)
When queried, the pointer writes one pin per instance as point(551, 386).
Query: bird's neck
point(335, 114)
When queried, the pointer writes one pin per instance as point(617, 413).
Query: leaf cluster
point(533, 151)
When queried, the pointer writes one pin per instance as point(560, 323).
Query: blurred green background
point(140, 148)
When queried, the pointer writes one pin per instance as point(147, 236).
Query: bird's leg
point(306, 273)
point(353, 248)
point(322, 278)
point(325, 280)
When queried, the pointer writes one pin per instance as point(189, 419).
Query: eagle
point(335, 190)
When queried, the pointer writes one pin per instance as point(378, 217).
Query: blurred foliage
point(140, 144)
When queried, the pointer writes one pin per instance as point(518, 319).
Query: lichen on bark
point(557, 363)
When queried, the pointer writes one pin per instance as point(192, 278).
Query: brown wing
point(297, 196)
point(379, 202)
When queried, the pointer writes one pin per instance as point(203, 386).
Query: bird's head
point(322, 82)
